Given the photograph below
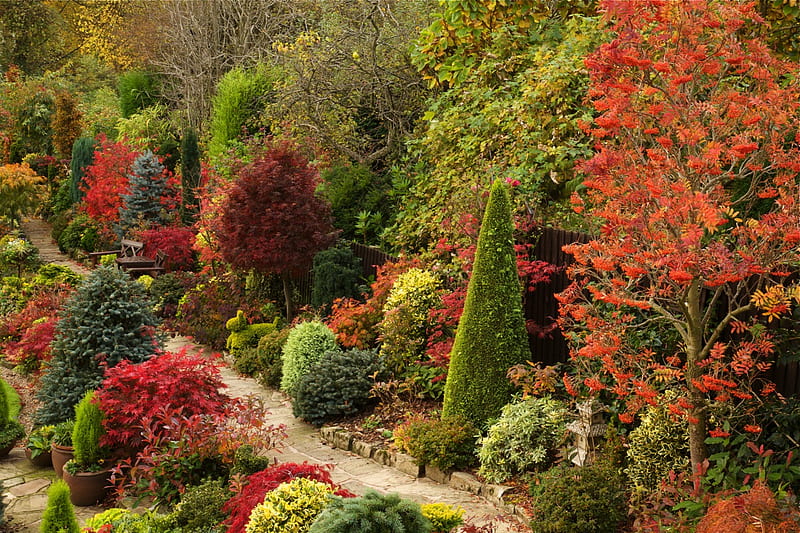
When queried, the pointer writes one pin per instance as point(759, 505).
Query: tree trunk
point(698, 416)
point(287, 294)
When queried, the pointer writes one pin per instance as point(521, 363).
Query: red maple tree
point(105, 181)
point(694, 185)
point(271, 221)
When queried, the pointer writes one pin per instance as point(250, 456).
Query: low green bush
point(291, 508)
point(658, 445)
point(306, 344)
point(588, 499)
point(269, 355)
point(371, 513)
point(442, 517)
point(200, 508)
point(523, 438)
point(336, 275)
point(244, 335)
point(337, 385)
point(80, 234)
point(444, 443)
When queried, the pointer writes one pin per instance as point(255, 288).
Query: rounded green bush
point(444, 443)
point(523, 438)
point(337, 385)
point(291, 508)
point(306, 344)
point(336, 274)
point(589, 499)
point(372, 513)
point(200, 508)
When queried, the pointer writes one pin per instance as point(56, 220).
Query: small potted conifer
point(86, 474)
point(11, 431)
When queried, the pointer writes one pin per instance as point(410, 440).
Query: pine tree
point(108, 319)
point(82, 157)
point(59, 515)
point(491, 335)
point(147, 186)
point(190, 176)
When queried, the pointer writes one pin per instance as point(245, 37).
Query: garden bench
point(153, 268)
point(127, 248)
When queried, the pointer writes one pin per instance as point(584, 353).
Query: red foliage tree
point(176, 242)
point(106, 180)
point(271, 220)
point(694, 185)
point(755, 511)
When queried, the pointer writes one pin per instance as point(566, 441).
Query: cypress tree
point(106, 320)
point(190, 176)
point(59, 515)
point(82, 157)
point(491, 335)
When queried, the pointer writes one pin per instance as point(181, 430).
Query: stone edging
point(337, 437)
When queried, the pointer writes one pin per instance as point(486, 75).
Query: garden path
point(26, 486)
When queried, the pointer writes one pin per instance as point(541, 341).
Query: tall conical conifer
point(491, 334)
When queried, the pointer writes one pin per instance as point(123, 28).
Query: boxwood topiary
point(305, 345)
point(491, 335)
point(569, 499)
point(523, 438)
point(337, 385)
point(372, 513)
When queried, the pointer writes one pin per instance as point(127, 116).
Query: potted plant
point(39, 444)
point(61, 449)
point(11, 430)
point(86, 474)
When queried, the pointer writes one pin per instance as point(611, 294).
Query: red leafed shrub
point(756, 511)
point(355, 323)
point(106, 180)
point(175, 242)
point(33, 348)
point(132, 395)
point(257, 485)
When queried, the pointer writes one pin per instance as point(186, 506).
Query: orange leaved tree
point(694, 184)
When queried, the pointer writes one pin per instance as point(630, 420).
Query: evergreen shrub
point(81, 234)
point(137, 91)
point(372, 513)
point(491, 335)
point(404, 329)
point(305, 345)
point(587, 499)
point(106, 320)
point(87, 432)
point(245, 335)
point(10, 429)
point(523, 438)
point(82, 157)
point(200, 508)
point(337, 385)
point(658, 445)
point(269, 354)
point(336, 275)
point(353, 190)
point(59, 515)
point(442, 517)
point(444, 443)
point(290, 508)
point(142, 206)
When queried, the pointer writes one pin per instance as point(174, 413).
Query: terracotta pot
point(60, 455)
point(44, 459)
point(87, 488)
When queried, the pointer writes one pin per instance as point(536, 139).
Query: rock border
point(340, 438)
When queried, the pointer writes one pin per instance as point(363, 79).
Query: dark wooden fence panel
point(541, 305)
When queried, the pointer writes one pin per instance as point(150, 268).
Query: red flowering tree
point(271, 221)
point(694, 184)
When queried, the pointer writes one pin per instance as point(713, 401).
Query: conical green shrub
point(491, 335)
point(59, 515)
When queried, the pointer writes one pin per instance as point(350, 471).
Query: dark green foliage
point(87, 432)
point(166, 292)
point(106, 320)
point(446, 443)
point(337, 385)
point(10, 429)
point(62, 435)
point(82, 157)
point(59, 516)
point(137, 90)
point(336, 275)
point(269, 351)
point(589, 499)
point(491, 335)
point(147, 186)
point(200, 506)
point(190, 176)
point(358, 200)
point(82, 233)
point(371, 513)
point(61, 201)
point(246, 462)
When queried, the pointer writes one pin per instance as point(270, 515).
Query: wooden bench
point(151, 270)
point(127, 248)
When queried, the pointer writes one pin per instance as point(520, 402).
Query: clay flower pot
point(87, 488)
point(60, 456)
point(44, 459)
